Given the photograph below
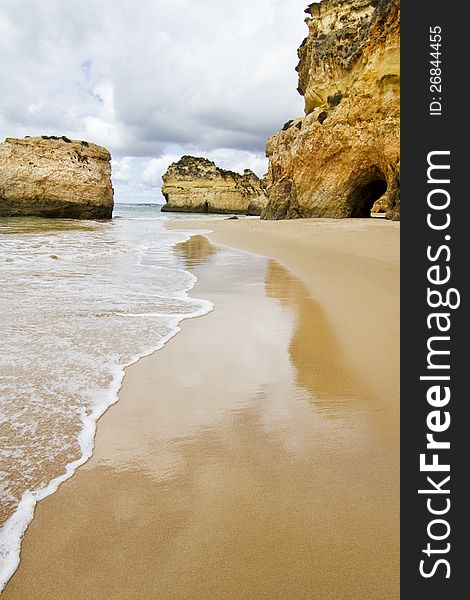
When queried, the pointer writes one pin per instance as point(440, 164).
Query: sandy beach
point(256, 456)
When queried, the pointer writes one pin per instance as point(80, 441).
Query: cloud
point(152, 78)
point(122, 169)
point(238, 160)
point(155, 168)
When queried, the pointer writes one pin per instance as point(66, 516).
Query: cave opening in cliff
point(367, 188)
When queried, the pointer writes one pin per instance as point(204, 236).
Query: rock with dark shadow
point(342, 159)
point(51, 176)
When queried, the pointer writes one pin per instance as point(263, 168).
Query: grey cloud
point(143, 76)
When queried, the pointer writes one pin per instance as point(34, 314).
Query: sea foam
point(79, 303)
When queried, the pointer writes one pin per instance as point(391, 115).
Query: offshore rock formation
point(52, 176)
point(343, 158)
point(197, 185)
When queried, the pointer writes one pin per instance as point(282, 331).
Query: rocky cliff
point(195, 184)
point(49, 176)
point(343, 158)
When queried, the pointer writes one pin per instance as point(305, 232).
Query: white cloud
point(122, 169)
point(238, 160)
point(156, 167)
point(152, 78)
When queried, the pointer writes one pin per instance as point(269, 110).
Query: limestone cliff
point(343, 158)
point(49, 176)
point(195, 184)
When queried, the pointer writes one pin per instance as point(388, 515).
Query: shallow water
point(79, 301)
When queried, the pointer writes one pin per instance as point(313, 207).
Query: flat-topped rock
point(50, 176)
point(197, 185)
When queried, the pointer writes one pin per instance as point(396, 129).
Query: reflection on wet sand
point(325, 373)
point(194, 252)
point(219, 474)
point(335, 387)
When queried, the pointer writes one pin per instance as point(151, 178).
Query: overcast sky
point(152, 79)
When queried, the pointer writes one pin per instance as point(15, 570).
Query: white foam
point(94, 401)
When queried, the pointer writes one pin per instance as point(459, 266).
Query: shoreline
point(17, 524)
point(118, 458)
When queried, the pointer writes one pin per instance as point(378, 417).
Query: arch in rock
point(365, 189)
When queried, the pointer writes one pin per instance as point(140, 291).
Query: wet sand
point(256, 456)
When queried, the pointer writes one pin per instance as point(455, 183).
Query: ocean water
point(79, 301)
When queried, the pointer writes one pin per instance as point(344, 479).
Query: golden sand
point(256, 456)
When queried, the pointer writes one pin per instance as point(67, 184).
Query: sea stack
point(197, 185)
point(342, 159)
point(50, 176)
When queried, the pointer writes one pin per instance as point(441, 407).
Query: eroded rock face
point(343, 158)
point(197, 185)
point(55, 177)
